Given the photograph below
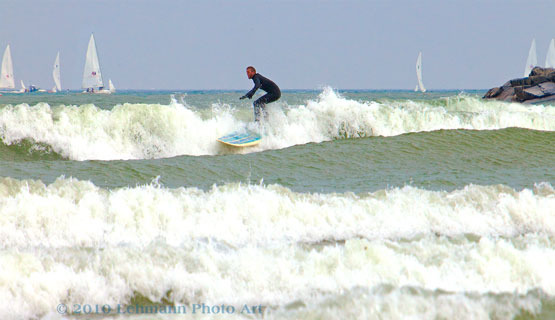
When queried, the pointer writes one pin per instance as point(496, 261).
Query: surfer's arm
point(257, 85)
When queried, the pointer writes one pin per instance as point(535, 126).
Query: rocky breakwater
point(538, 87)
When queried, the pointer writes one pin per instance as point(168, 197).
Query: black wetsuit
point(272, 94)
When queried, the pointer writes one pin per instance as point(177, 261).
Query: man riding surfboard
point(260, 82)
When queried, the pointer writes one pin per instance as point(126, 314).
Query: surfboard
point(241, 139)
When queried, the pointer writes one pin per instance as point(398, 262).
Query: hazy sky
point(301, 44)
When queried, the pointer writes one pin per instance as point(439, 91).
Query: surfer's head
point(251, 71)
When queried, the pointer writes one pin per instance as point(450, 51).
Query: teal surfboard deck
point(241, 139)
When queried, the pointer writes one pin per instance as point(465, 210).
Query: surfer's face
point(250, 73)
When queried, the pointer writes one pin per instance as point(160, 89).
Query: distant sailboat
point(550, 57)
point(92, 77)
point(111, 86)
point(420, 85)
point(56, 74)
point(6, 73)
point(532, 60)
point(23, 88)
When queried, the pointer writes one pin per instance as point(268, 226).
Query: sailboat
point(92, 77)
point(532, 60)
point(111, 86)
point(420, 85)
point(56, 75)
point(550, 57)
point(6, 73)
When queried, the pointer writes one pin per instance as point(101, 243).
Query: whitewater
point(150, 131)
point(108, 246)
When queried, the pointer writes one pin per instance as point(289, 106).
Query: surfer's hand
point(243, 97)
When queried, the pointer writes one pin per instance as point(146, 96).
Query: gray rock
point(548, 88)
point(538, 87)
point(535, 80)
point(507, 95)
point(520, 82)
point(522, 95)
point(493, 92)
point(541, 100)
point(535, 91)
point(539, 71)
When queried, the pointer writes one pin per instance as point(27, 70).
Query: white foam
point(410, 303)
point(142, 131)
point(72, 242)
point(128, 131)
point(77, 213)
point(35, 281)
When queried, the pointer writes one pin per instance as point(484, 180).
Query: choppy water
point(356, 205)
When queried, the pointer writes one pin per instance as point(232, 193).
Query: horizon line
point(288, 89)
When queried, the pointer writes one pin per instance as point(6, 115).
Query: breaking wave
point(147, 131)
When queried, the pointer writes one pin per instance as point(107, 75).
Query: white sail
point(532, 60)
point(22, 90)
point(92, 78)
point(111, 86)
point(550, 57)
point(419, 72)
point(6, 73)
point(56, 73)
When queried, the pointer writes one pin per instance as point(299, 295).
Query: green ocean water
point(356, 204)
point(441, 160)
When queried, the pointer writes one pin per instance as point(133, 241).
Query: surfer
point(260, 82)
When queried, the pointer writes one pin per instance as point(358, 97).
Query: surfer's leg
point(260, 107)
